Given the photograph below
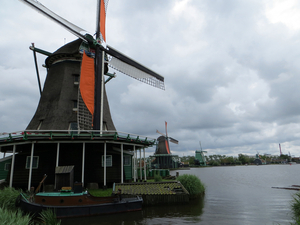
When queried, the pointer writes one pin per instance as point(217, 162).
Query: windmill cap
point(69, 50)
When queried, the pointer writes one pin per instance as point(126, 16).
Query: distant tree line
point(242, 159)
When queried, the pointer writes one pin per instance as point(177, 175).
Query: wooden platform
point(155, 192)
point(293, 187)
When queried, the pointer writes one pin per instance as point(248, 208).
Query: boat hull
point(124, 205)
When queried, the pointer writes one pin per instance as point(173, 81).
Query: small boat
point(70, 204)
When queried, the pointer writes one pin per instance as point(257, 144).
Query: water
point(238, 195)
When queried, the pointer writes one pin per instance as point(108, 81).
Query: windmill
point(258, 160)
point(163, 142)
point(163, 158)
point(92, 57)
point(199, 156)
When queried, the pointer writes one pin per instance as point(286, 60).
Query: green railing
point(74, 134)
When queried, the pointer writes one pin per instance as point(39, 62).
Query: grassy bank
point(11, 214)
point(192, 184)
point(296, 208)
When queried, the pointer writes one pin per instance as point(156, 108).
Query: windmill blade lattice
point(173, 140)
point(128, 66)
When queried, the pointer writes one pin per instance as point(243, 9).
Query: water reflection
point(162, 214)
point(234, 196)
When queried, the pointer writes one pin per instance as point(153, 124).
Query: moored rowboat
point(70, 204)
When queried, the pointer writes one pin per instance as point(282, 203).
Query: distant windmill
point(87, 60)
point(163, 146)
point(199, 156)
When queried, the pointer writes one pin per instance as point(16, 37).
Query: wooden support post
point(12, 166)
point(30, 168)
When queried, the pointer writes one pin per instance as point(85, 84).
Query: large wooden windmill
point(74, 98)
point(63, 105)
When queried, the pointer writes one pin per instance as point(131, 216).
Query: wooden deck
point(155, 193)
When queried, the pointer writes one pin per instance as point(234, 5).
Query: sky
point(231, 69)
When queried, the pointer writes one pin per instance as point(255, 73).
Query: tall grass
point(9, 217)
point(157, 178)
point(8, 198)
point(296, 208)
point(49, 217)
point(192, 184)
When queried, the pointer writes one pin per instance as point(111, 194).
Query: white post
point(102, 91)
point(30, 169)
point(144, 165)
point(134, 164)
point(83, 161)
point(141, 172)
point(12, 166)
point(122, 165)
point(104, 164)
point(57, 154)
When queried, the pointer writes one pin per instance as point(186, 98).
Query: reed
point(10, 214)
point(157, 178)
point(8, 198)
point(9, 217)
point(296, 207)
point(192, 184)
point(49, 217)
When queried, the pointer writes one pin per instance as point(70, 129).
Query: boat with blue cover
point(70, 204)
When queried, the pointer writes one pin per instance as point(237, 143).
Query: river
point(238, 195)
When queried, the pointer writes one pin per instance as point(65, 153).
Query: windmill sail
point(101, 19)
point(173, 140)
point(118, 60)
point(128, 66)
point(87, 82)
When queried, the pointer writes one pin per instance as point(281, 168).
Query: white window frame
point(108, 162)
point(7, 166)
point(28, 162)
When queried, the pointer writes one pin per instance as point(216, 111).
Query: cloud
point(231, 69)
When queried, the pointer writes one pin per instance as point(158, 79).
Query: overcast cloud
point(231, 69)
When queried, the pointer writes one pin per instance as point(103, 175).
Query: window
point(127, 160)
point(108, 161)
point(76, 79)
point(75, 105)
point(35, 162)
point(73, 126)
point(7, 166)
